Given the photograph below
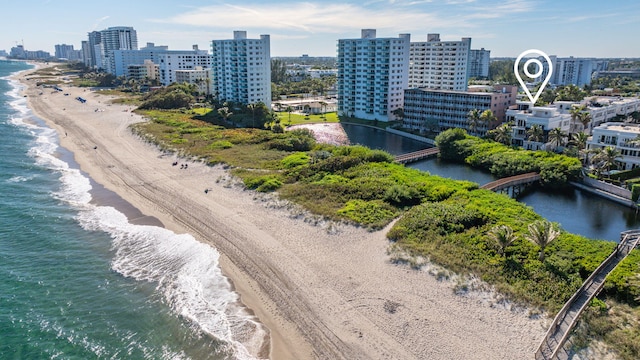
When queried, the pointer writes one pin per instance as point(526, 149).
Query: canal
point(576, 211)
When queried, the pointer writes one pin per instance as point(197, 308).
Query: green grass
point(297, 119)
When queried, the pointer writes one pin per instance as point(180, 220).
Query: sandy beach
point(324, 292)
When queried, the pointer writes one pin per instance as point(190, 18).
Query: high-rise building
point(440, 65)
point(479, 63)
point(117, 38)
point(64, 51)
point(568, 71)
point(241, 69)
point(86, 53)
point(94, 49)
point(372, 75)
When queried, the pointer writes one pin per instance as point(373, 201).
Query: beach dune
point(322, 293)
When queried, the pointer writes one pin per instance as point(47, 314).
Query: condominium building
point(372, 75)
point(146, 71)
point(116, 38)
point(441, 65)
point(94, 60)
point(568, 71)
point(618, 135)
point(64, 51)
point(436, 110)
point(168, 61)
point(479, 63)
point(198, 76)
point(241, 69)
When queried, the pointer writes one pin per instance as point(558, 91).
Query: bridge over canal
point(513, 185)
point(417, 155)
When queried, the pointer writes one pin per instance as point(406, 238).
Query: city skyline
point(506, 27)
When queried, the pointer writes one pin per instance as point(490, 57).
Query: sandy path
point(321, 295)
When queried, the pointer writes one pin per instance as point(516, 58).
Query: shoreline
point(320, 295)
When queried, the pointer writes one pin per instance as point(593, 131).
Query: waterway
point(576, 211)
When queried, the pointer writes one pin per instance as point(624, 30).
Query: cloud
point(97, 23)
point(308, 17)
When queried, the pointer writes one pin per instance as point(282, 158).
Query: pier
point(417, 155)
point(552, 346)
point(513, 185)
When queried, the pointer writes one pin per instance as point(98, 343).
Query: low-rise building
point(198, 76)
point(433, 110)
point(618, 135)
point(525, 116)
point(147, 70)
point(606, 108)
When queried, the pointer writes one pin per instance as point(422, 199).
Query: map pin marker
point(538, 72)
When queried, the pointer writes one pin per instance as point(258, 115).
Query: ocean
point(79, 281)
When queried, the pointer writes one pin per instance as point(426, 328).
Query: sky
point(580, 28)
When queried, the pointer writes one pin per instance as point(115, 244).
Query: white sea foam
point(17, 179)
point(186, 271)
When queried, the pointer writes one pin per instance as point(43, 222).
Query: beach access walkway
point(552, 346)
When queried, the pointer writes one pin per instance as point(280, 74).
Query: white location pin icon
point(538, 72)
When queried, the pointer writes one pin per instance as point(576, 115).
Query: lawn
point(297, 119)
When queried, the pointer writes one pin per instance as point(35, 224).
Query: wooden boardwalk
point(511, 181)
point(417, 155)
point(552, 346)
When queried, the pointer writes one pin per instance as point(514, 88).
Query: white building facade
point(440, 65)
point(200, 77)
point(116, 38)
point(479, 63)
point(241, 69)
point(526, 116)
point(372, 75)
point(618, 135)
point(568, 71)
point(168, 61)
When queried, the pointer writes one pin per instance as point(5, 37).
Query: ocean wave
point(186, 272)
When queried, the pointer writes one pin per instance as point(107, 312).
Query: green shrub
point(635, 192)
point(294, 160)
point(221, 144)
point(374, 214)
point(263, 183)
point(503, 161)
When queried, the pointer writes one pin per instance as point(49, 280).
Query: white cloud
point(308, 17)
point(97, 23)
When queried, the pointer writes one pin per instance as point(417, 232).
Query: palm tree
point(323, 109)
point(535, 133)
point(607, 158)
point(579, 140)
point(575, 115)
point(473, 121)
point(398, 113)
point(225, 113)
point(557, 136)
point(486, 119)
point(584, 118)
point(289, 109)
point(503, 134)
point(502, 236)
point(542, 233)
point(252, 108)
